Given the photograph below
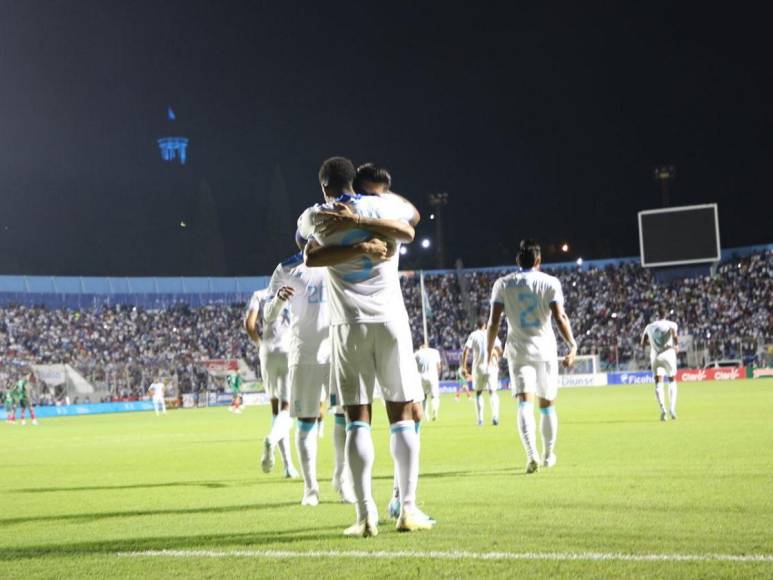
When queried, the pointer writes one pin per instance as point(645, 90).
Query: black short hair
point(337, 172)
point(528, 253)
point(370, 172)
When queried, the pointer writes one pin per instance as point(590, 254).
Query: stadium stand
point(123, 339)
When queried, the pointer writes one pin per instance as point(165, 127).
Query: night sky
point(544, 122)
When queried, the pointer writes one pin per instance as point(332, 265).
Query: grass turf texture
point(75, 492)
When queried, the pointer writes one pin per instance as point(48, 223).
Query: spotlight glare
point(425, 243)
point(579, 261)
point(403, 250)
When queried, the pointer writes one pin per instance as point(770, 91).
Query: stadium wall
point(91, 409)
point(161, 292)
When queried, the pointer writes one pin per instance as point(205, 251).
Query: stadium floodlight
point(425, 243)
point(403, 250)
point(579, 261)
point(432, 216)
point(564, 247)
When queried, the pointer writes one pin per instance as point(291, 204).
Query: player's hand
point(339, 218)
point(376, 249)
point(569, 358)
point(285, 293)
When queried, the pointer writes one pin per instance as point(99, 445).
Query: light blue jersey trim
point(523, 404)
point(306, 426)
point(402, 428)
point(340, 419)
point(547, 410)
point(357, 425)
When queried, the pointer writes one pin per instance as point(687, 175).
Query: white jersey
point(309, 327)
point(276, 335)
point(527, 297)
point(659, 333)
point(427, 360)
point(157, 390)
point(358, 289)
point(477, 343)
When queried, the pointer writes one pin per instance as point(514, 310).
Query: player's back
point(360, 290)
point(477, 343)
point(310, 335)
point(526, 297)
point(659, 333)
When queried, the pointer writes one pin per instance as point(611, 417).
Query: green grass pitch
point(77, 494)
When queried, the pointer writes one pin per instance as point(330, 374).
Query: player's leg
point(493, 389)
point(659, 373)
point(547, 391)
point(524, 377)
point(307, 383)
point(32, 414)
point(278, 436)
point(401, 385)
point(353, 364)
point(670, 373)
point(321, 418)
point(267, 461)
point(479, 383)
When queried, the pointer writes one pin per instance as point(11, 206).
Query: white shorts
point(537, 378)
point(485, 382)
point(430, 386)
point(274, 373)
point(363, 353)
point(158, 400)
point(308, 387)
point(664, 363)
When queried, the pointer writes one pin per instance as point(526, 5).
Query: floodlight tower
point(437, 202)
point(664, 175)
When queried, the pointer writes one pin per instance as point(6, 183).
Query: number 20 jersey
point(360, 290)
point(526, 297)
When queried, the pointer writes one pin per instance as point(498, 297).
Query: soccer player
point(529, 299)
point(22, 398)
point(661, 335)
point(302, 288)
point(233, 381)
point(485, 370)
point(156, 391)
point(429, 364)
point(9, 399)
point(370, 332)
point(274, 344)
point(374, 180)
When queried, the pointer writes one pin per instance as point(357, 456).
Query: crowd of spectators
point(121, 349)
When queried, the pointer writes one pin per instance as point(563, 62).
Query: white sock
point(404, 442)
point(280, 427)
point(306, 441)
point(659, 396)
point(672, 396)
point(339, 448)
point(494, 401)
point(479, 406)
point(527, 427)
point(286, 453)
point(360, 456)
point(549, 425)
point(435, 407)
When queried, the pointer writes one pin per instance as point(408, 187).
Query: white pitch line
point(454, 555)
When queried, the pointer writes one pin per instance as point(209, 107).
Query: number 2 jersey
point(360, 290)
point(526, 297)
point(309, 329)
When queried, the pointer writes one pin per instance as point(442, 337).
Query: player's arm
point(645, 339)
point(315, 255)
point(465, 354)
point(341, 217)
point(492, 328)
point(274, 308)
point(251, 322)
point(676, 339)
point(565, 328)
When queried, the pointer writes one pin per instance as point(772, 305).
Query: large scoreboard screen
point(679, 235)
